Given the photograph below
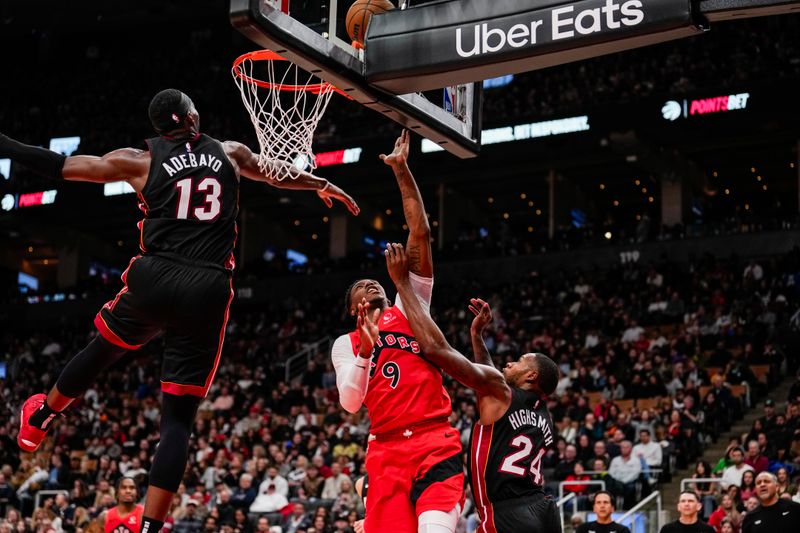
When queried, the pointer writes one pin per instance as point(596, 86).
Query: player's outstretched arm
point(419, 231)
point(483, 317)
point(299, 179)
point(485, 380)
point(124, 164)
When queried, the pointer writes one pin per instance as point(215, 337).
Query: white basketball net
point(284, 111)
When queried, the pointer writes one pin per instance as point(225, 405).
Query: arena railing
point(630, 515)
point(686, 481)
point(296, 364)
point(44, 494)
point(562, 502)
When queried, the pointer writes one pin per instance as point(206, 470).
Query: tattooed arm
point(418, 246)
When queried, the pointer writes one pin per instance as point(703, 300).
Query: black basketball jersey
point(506, 457)
point(190, 201)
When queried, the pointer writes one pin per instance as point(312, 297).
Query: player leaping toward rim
point(414, 457)
point(515, 428)
point(181, 284)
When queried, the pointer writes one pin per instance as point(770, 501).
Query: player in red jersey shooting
point(414, 456)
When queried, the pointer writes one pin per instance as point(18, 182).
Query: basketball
point(359, 14)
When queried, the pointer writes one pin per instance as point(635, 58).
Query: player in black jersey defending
point(515, 428)
point(181, 283)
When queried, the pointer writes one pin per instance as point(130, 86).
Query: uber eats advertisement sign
point(557, 23)
point(506, 36)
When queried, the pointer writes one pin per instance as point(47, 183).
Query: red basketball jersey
point(404, 388)
point(130, 523)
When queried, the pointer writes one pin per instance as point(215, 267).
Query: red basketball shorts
point(409, 475)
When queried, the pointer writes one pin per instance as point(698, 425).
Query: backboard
point(311, 37)
point(458, 43)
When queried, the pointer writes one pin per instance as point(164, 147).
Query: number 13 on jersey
point(212, 206)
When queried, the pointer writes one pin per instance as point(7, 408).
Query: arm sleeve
point(352, 374)
point(423, 288)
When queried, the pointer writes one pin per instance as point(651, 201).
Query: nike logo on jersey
point(758, 522)
point(388, 317)
point(784, 514)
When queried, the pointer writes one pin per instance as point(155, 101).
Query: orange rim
point(269, 55)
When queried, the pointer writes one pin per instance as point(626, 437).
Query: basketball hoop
point(285, 109)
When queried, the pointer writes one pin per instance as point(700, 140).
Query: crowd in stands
point(657, 360)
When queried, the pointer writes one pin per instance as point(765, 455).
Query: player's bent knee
point(439, 521)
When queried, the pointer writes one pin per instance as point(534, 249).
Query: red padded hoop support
point(269, 55)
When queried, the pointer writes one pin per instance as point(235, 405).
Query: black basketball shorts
point(189, 304)
point(532, 514)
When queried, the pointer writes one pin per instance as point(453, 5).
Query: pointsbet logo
point(553, 25)
point(674, 109)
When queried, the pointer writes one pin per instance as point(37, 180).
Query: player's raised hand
point(482, 312)
point(367, 326)
point(396, 262)
point(399, 155)
point(332, 192)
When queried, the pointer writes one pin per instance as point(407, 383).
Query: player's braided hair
point(548, 373)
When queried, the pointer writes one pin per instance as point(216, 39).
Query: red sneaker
point(29, 437)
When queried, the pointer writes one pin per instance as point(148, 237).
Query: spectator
point(240, 521)
point(224, 508)
point(274, 478)
point(296, 520)
point(190, 522)
point(755, 460)
point(726, 510)
point(245, 494)
point(262, 525)
point(748, 486)
point(566, 465)
point(269, 500)
point(705, 490)
point(333, 485)
point(733, 474)
point(626, 469)
point(784, 483)
point(648, 450)
point(347, 500)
